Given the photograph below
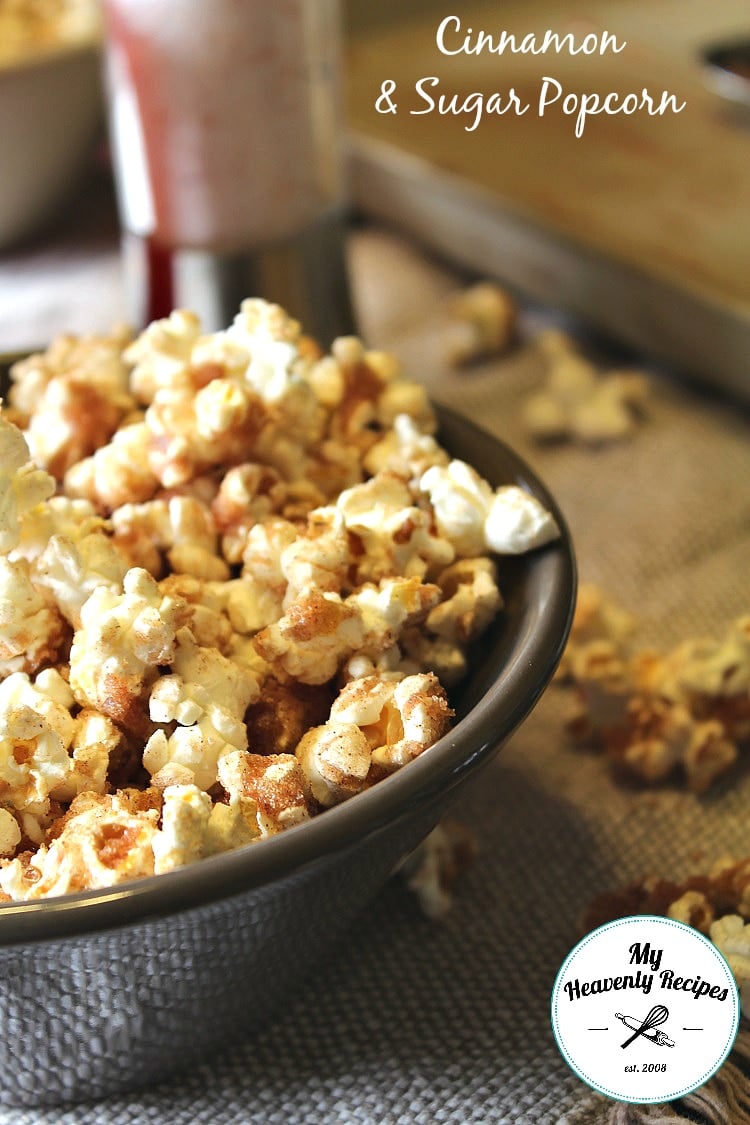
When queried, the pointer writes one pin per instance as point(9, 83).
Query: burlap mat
point(412, 1022)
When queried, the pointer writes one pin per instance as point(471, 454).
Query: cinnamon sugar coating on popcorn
point(236, 605)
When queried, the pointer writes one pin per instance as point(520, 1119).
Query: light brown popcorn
point(319, 557)
point(36, 729)
point(399, 718)
point(94, 361)
point(248, 494)
point(161, 356)
point(480, 322)
point(694, 909)
point(397, 537)
point(335, 759)
point(273, 783)
point(103, 840)
point(446, 659)
point(596, 618)
point(471, 600)
point(22, 486)
point(577, 403)
point(122, 640)
point(118, 473)
point(205, 609)
point(10, 833)
point(603, 688)
point(33, 633)
point(406, 450)
point(73, 419)
point(181, 528)
point(278, 720)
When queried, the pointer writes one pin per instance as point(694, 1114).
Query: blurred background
point(640, 226)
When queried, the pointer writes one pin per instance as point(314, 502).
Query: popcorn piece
point(397, 537)
point(185, 817)
point(181, 527)
point(335, 758)
point(577, 404)
point(118, 473)
point(694, 909)
point(406, 451)
point(433, 867)
point(272, 786)
point(471, 600)
point(71, 519)
point(207, 697)
point(36, 729)
point(205, 608)
point(103, 841)
point(72, 571)
point(400, 719)
point(248, 494)
point(319, 631)
point(161, 355)
point(32, 632)
point(22, 486)
point(509, 521)
point(96, 744)
point(319, 558)
point(92, 360)
point(122, 640)
point(312, 638)
point(596, 618)
point(10, 833)
point(481, 322)
point(517, 522)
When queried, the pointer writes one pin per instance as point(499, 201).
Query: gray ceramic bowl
point(107, 990)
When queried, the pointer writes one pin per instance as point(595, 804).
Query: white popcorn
point(461, 500)
point(182, 839)
point(121, 640)
point(517, 522)
point(207, 697)
point(181, 527)
point(71, 519)
point(72, 571)
point(405, 450)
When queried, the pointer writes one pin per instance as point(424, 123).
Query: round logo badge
point(645, 1009)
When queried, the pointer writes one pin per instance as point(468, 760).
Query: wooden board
point(642, 224)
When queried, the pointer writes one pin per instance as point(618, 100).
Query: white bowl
point(50, 107)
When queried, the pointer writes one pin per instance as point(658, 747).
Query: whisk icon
point(647, 1027)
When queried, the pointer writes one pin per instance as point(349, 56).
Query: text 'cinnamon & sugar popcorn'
point(236, 577)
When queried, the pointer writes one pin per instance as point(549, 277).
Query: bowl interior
point(509, 668)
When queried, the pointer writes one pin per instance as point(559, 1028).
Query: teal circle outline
point(733, 992)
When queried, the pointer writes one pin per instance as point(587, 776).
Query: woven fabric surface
point(413, 1022)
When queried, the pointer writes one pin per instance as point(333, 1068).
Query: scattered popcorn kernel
point(578, 403)
point(433, 868)
point(481, 322)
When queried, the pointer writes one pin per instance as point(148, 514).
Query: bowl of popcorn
point(50, 106)
point(263, 612)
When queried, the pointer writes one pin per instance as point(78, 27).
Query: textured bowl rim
point(488, 723)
